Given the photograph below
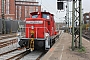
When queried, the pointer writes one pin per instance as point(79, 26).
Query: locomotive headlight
point(46, 35)
point(19, 33)
point(32, 27)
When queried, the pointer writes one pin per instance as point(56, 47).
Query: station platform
point(61, 50)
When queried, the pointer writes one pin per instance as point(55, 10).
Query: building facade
point(19, 9)
point(86, 18)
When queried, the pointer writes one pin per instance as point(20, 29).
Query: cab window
point(34, 16)
point(45, 16)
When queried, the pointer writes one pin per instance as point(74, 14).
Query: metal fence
point(1, 26)
point(12, 26)
point(8, 26)
point(21, 25)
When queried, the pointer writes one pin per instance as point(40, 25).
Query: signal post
point(76, 21)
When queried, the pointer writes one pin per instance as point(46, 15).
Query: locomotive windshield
point(35, 16)
point(45, 16)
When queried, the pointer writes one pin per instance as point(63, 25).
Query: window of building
point(16, 12)
point(87, 16)
point(25, 11)
point(31, 9)
point(26, 0)
point(36, 9)
point(87, 21)
point(20, 12)
point(7, 6)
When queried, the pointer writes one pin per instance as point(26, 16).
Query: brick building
point(86, 17)
point(19, 9)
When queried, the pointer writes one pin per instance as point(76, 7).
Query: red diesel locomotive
point(40, 31)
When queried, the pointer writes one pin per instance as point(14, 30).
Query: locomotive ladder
point(32, 41)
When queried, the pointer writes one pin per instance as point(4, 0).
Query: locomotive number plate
point(34, 22)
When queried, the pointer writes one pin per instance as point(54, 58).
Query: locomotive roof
point(41, 12)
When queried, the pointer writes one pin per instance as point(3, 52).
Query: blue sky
point(51, 6)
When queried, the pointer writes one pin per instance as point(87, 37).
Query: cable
point(47, 8)
point(49, 5)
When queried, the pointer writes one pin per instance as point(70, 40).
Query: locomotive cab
point(39, 31)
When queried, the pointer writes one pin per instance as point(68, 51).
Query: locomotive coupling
point(32, 44)
point(32, 40)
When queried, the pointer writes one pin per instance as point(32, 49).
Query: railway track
point(35, 55)
point(7, 42)
point(5, 36)
point(21, 55)
point(12, 55)
point(8, 39)
point(86, 36)
point(18, 56)
point(8, 52)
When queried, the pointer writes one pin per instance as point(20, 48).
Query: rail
point(6, 43)
point(18, 56)
point(85, 36)
point(22, 55)
point(12, 54)
point(8, 52)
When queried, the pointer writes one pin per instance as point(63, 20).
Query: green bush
point(82, 49)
